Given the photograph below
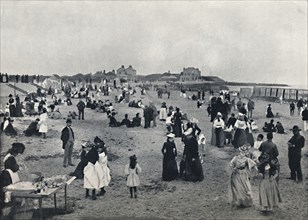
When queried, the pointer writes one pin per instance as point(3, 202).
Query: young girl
point(269, 195)
point(105, 172)
point(132, 170)
point(91, 177)
point(201, 143)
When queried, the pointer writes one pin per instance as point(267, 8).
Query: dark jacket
point(81, 105)
point(305, 115)
point(270, 148)
point(298, 142)
point(65, 136)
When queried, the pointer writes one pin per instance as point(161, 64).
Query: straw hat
point(243, 148)
point(194, 121)
point(188, 131)
point(219, 114)
point(171, 135)
point(267, 167)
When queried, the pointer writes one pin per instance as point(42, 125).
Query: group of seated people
point(271, 127)
point(99, 106)
point(135, 104)
point(136, 122)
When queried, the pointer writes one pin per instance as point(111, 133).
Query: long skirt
point(170, 169)
point(91, 177)
point(162, 114)
point(220, 137)
point(250, 138)
point(105, 174)
point(213, 137)
point(178, 129)
point(239, 138)
point(193, 170)
point(269, 195)
point(241, 188)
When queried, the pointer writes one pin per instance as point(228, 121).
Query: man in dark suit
point(81, 106)
point(295, 144)
point(67, 137)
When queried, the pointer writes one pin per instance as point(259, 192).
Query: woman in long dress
point(177, 123)
point(170, 169)
point(269, 195)
point(269, 113)
point(240, 137)
point(43, 123)
point(219, 135)
point(18, 112)
point(192, 165)
point(240, 185)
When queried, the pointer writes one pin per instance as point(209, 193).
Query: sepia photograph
point(158, 109)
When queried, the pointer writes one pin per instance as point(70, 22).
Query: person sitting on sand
point(126, 121)
point(269, 127)
point(279, 128)
point(10, 130)
point(4, 123)
point(136, 121)
point(113, 121)
point(32, 129)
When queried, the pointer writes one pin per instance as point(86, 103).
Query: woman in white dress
point(163, 112)
point(43, 123)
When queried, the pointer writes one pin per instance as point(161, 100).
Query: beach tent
point(246, 92)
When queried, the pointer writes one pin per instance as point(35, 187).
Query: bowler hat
point(68, 120)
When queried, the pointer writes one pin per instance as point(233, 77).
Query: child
point(105, 171)
point(91, 177)
point(269, 195)
point(256, 153)
point(169, 123)
point(201, 143)
point(132, 170)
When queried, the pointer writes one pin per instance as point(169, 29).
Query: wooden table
point(20, 193)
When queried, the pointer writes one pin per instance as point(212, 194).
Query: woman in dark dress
point(170, 169)
point(12, 106)
point(18, 112)
point(177, 123)
point(269, 113)
point(192, 165)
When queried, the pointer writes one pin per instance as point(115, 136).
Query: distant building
point(190, 74)
point(128, 74)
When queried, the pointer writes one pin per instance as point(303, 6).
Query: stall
point(39, 190)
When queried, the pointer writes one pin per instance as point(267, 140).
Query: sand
point(209, 199)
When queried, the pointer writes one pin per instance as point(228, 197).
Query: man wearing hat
point(295, 144)
point(67, 137)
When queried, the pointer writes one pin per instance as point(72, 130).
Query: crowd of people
point(256, 158)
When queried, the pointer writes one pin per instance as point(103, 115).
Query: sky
point(238, 41)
